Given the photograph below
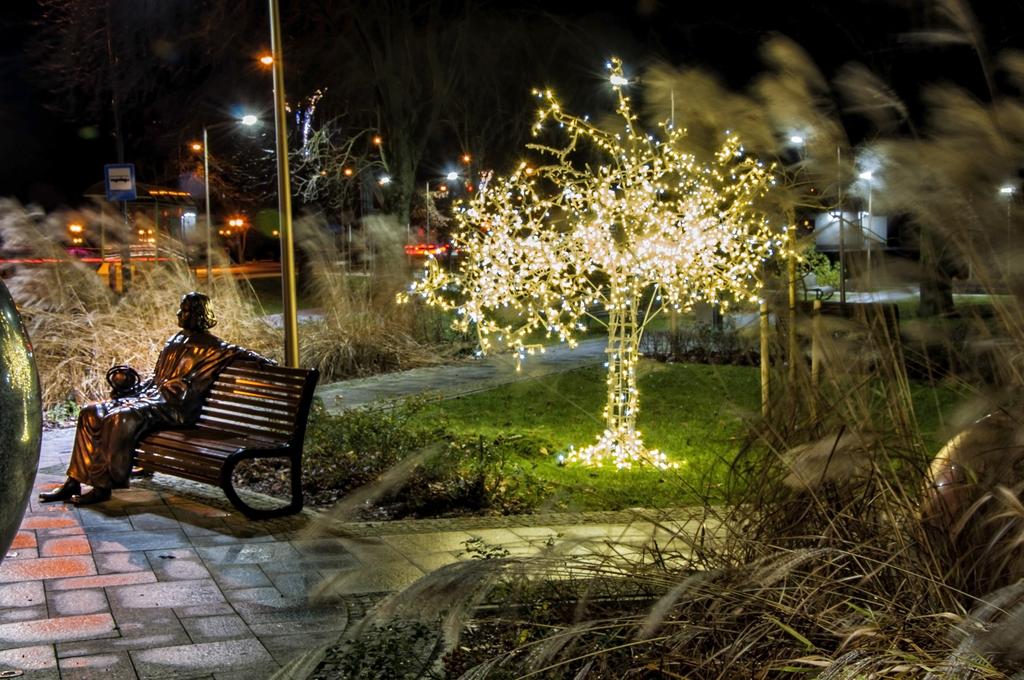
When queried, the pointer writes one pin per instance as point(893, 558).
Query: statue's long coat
point(108, 431)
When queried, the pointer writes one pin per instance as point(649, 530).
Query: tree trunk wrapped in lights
point(620, 220)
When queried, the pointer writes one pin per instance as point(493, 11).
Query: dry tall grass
point(80, 328)
point(362, 330)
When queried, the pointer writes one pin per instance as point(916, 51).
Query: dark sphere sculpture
point(21, 420)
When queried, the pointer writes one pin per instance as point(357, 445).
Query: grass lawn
point(694, 413)
point(268, 292)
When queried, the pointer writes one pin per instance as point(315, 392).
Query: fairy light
point(646, 229)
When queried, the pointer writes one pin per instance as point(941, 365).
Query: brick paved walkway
point(167, 580)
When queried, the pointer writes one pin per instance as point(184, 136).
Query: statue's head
point(196, 313)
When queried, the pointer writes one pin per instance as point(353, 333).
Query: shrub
point(473, 475)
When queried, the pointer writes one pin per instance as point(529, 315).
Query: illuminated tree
point(623, 221)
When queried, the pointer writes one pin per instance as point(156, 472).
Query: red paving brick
point(45, 568)
point(64, 545)
point(23, 539)
point(37, 522)
point(104, 581)
point(61, 629)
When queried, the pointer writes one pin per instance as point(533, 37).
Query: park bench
point(251, 411)
point(810, 285)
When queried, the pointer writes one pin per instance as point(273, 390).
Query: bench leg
point(228, 488)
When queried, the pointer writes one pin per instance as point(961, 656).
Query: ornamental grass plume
point(361, 330)
point(80, 328)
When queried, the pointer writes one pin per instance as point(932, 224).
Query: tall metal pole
point(209, 223)
point(284, 197)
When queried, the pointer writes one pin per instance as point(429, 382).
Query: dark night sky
point(45, 158)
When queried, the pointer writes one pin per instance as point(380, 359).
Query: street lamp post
point(247, 120)
point(284, 197)
point(209, 222)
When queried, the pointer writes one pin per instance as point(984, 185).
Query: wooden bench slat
point(260, 377)
point(273, 418)
point(248, 391)
point(251, 397)
point(250, 411)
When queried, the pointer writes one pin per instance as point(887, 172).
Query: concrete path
point(167, 580)
point(465, 377)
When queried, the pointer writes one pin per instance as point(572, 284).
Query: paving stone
point(314, 565)
point(369, 551)
point(165, 594)
point(60, 546)
point(177, 565)
point(47, 522)
point(121, 562)
point(252, 553)
point(24, 613)
point(228, 655)
point(298, 616)
point(72, 602)
point(24, 594)
point(67, 650)
point(114, 666)
point(285, 648)
point(428, 543)
point(378, 578)
point(297, 585)
point(428, 562)
point(86, 627)
point(23, 539)
point(209, 628)
point(65, 531)
point(243, 675)
point(37, 662)
point(239, 575)
point(268, 594)
point(106, 520)
point(104, 581)
point(153, 522)
point(128, 541)
point(46, 568)
point(223, 538)
point(222, 609)
point(135, 496)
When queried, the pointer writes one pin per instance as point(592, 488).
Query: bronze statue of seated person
point(109, 431)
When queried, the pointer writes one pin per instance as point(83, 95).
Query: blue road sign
point(119, 179)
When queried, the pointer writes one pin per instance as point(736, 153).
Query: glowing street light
point(796, 139)
point(452, 176)
point(1008, 190)
point(384, 180)
point(248, 120)
point(619, 80)
point(267, 59)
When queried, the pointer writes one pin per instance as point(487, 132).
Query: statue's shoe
point(70, 488)
point(97, 495)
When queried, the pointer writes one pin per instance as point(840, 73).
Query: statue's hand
point(174, 390)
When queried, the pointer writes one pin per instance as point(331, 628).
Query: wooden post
point(791, 344)
point(815, 356)
point(765, 366)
